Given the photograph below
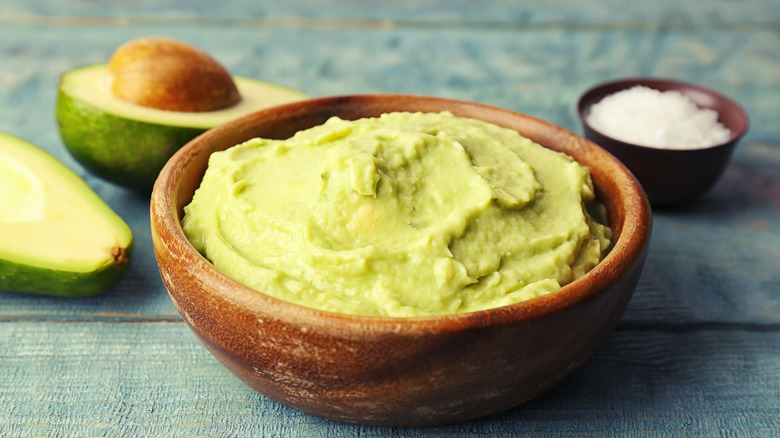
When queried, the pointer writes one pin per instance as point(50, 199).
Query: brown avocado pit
point(167, 74)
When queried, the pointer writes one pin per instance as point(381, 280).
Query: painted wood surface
point(697, 352)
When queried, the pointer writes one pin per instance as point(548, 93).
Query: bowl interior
point(627, 206)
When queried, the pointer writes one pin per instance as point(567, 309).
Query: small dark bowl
point(398, 371)
point(670, 176)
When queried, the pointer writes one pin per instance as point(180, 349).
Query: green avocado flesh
point(129, 144)
point(57, 236)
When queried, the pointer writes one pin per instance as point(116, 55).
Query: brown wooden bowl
point(397, 371)
point(670, 176)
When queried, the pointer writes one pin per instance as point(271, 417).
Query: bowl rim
point(628, 247)
point(589, 96)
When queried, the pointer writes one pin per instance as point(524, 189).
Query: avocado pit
point(167, 74)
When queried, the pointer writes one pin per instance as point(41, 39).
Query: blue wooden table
point(697, 353)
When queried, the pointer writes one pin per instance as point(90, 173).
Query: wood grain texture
point(697, 352)
point(155, 379)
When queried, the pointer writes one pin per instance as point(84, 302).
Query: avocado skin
point(125, 152)
point(16, 277)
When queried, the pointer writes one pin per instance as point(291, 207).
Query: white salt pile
point(649, 117)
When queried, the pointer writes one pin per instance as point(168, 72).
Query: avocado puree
point(407, 214)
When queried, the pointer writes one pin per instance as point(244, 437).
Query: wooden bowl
point(397, 371)
point(670, 176)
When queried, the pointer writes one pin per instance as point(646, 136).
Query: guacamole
point(407, 214)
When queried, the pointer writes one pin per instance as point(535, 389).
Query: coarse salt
point(649, 117)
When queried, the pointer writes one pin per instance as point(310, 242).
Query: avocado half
point(128, 144)
point(57, 236)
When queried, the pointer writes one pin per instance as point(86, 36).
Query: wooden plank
point(541, 70)
point(155, 379)
point(561, 12)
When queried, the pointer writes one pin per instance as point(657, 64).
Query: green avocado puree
point(407, 214)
